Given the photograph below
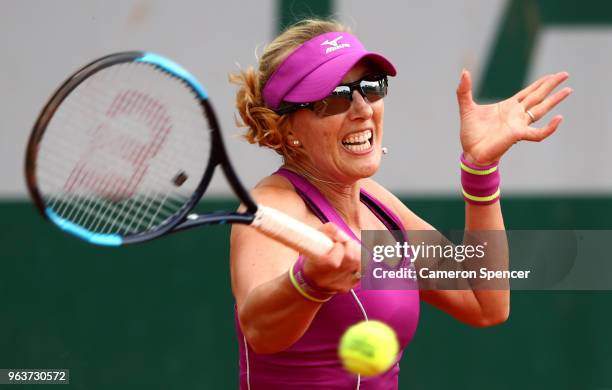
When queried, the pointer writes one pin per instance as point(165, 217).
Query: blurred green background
point(160, 314)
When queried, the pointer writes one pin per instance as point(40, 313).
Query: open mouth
point(358, 142)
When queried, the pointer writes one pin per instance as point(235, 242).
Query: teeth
point(358, 138)
point(358, 147)
point(359, 141)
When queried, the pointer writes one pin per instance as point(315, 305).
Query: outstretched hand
point(489, 130)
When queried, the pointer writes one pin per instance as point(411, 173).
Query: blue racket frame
point(179, 221)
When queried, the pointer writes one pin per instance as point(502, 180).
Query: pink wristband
point(480, 183)
point(305, 286)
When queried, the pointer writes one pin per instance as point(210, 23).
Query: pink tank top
point(312, 362)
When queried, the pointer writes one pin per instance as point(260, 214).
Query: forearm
point(476, 302)
point(487, 217)
point(488, 220)
point(274, 315)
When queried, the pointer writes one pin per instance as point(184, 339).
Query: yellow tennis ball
point(368, 348)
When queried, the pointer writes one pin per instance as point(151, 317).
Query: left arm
point(487, 132)
point(477, 307)
point(474, 307)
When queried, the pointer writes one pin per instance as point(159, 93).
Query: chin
point(368, 169)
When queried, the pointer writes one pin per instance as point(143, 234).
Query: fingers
point(336, 255)
point(532, 87)
point(339, 270)
point(538, 134)
point(334, 232)
point(351, 250)
point(537, 95)
point(549, 103)
point(464, 92)
point(353, 256)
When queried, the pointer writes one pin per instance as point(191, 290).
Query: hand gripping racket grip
point(291, 232)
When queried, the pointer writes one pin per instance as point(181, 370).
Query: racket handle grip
point(291, 232)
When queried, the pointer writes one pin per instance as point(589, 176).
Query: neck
point(343, 195)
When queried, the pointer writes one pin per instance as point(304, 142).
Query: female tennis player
point(317, 100)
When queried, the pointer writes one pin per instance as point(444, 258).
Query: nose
point(360, 108)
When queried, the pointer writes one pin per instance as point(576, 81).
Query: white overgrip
point(291, 232)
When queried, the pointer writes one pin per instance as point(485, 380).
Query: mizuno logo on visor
point(334, 45)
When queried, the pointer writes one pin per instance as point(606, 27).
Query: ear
point(288, 134)
point(292, 140)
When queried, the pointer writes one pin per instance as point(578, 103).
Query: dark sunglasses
point(371, 88)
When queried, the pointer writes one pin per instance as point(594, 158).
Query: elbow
point(260, 341)
point(263, 344)
point(488, 321)
point(492, 318)
point(254, 338)
point(258, 344)
point(493, 311)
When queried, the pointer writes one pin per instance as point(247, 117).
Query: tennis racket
point(126, 147)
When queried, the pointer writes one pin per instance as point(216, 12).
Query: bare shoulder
point(277, 192)
point(410, 220)
point(254, 257)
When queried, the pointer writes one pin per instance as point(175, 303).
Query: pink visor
point(315, 68)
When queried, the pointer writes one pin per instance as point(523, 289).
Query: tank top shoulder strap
point(384, 213)
point(321, 207)
point(315, 200)
point(302, 187)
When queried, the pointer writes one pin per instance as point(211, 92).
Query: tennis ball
point(368, 348)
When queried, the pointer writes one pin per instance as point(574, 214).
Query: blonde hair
point(263, 126)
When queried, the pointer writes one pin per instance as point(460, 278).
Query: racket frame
point(182, 219)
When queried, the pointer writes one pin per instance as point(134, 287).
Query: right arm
point(272, 313)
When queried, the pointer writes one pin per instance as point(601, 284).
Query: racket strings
point(110, 155)
point(85, 210)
